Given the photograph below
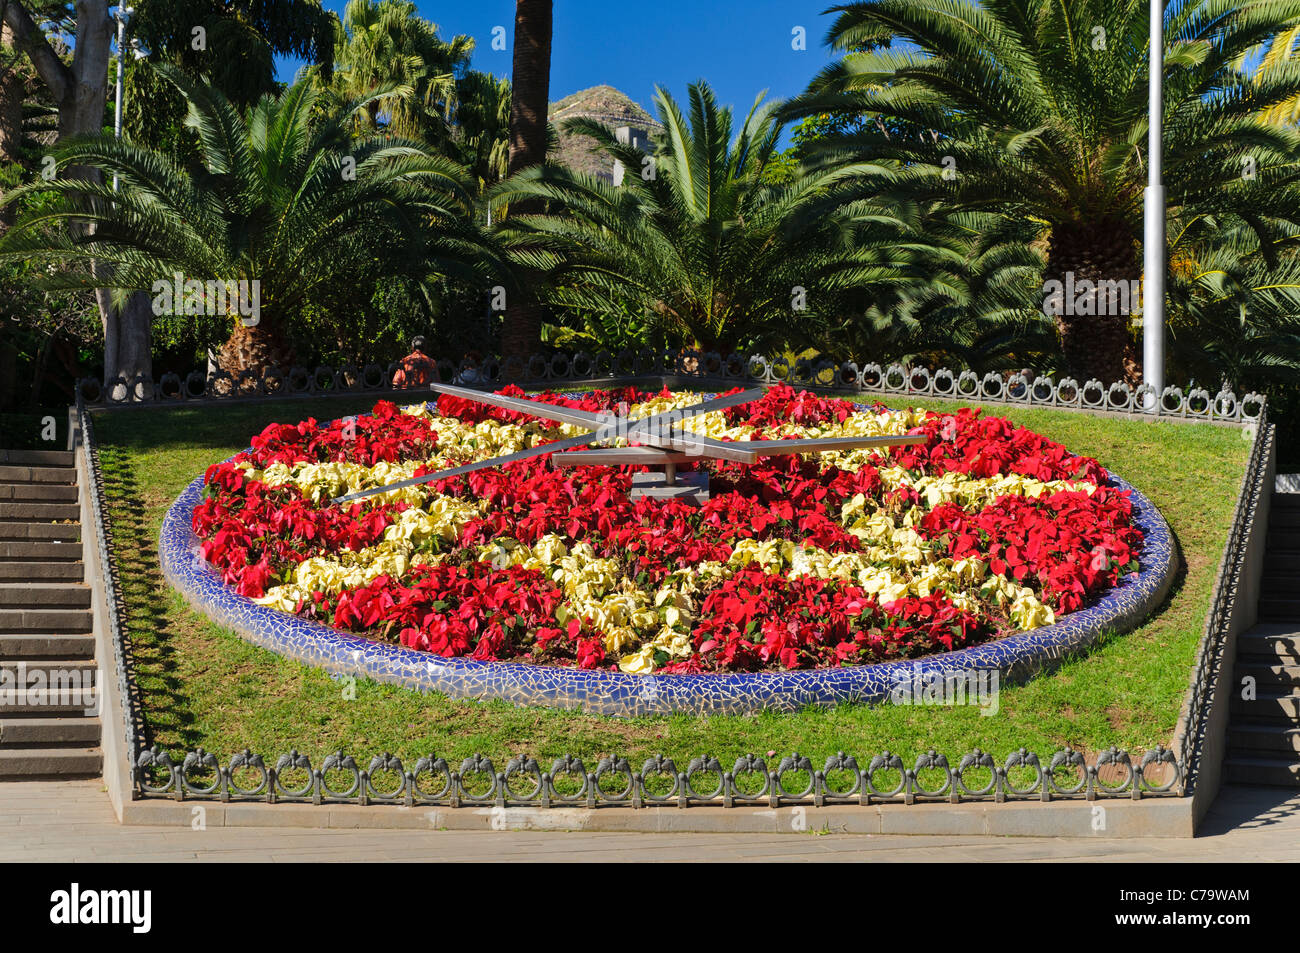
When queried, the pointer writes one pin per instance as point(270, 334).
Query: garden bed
point(203, 686)
point(988, 552)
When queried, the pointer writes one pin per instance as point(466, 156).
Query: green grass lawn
point(203, 686)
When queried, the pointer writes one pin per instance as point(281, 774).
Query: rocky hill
point(606, 104)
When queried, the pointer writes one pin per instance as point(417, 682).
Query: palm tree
point(967, 295)
point(1234, 311)
point(1036, 110)
point(483, 126)
point(387, 45)
point(1281, 50)
point(240, 42)
point(529, 108)
point(698, 241)
point(297, 207)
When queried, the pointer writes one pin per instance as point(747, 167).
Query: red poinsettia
point(1066, 547)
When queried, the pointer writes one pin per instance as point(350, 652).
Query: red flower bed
point(1076, 545)
point(792, 563)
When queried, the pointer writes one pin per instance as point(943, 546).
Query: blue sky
point(741, 48)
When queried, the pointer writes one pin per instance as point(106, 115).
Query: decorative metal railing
point(704, 369)
point(751, 780)
point(91, 479)
point(1227, 589)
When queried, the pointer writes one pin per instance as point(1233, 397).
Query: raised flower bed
point(812, 580)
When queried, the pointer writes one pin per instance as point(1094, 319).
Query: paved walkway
point(72, 821)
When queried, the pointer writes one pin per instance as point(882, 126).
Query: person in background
point(474, 373)
point(414, 370)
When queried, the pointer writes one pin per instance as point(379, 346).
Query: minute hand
point(718, 403)
point(661, 435)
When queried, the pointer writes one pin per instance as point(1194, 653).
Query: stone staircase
point(1264, 733)
point(49, 730)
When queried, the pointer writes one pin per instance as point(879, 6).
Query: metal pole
point(1153, 219)
point(121, 15)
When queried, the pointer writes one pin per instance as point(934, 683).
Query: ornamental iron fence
point(705, 369)
point(1228, 589)
point(91, 477)
point(660, 782)
point(751, 780)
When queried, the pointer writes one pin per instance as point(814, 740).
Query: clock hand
point(537, 451)
point(603, 433)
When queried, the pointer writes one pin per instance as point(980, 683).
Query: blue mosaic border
point(1015, 658)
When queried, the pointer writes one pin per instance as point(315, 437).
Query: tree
point(698, 241)
point(483, 126)
point(288, 212)
point(233, 43)
point(385, 44)
point(28, 117)
point(966, 294)
point(15, 87)
point(1036, 110)
point(1234, 317)
point(529, 108)
point(79, 89)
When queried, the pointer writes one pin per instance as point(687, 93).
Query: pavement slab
point(72, 821)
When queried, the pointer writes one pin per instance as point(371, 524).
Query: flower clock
point(849, 557)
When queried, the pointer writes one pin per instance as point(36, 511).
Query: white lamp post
point(1153, 219)
point(121, 14)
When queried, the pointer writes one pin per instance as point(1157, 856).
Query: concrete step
point(44, 572)
point(1266, 706)
point(1281, 540)
point(39, 492)
point(1277, 561)
point(1284, 519)
point(1274, 583)
point(67, 672)
point(1285, 500)
point(1246, 738)
point(44, 595)
point(38, 551)
point(47, 732)
point(1279, 772)
point(34, 511)
point(71, 703)
point(1274, 678)
point(45, 475)
point(44, 620)
point(34, 763)
point(38, 458)
point(40, 532)
point(1271, 640)
point(1278, 608)
point(34, 646)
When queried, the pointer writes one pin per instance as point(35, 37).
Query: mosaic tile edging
point(1015, 658)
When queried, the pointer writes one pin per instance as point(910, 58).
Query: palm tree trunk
point(258, 347)
point(1094, 323)
point(529, 106)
